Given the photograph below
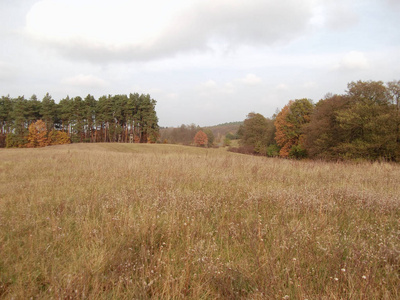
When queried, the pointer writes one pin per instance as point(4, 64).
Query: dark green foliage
point(146, 125)
point(232, 136)
point(257, 132)
point(90, 105)
point(34, 109)
point(19, 117)
point(298, 152)
point(15, 141)
point(364, 123)
point(272, 150)
point(227, 142)
point(324, 132)
point(6, 108)
point(118, 118)
point(48, 112)
point(65, 113)
point(210, 137)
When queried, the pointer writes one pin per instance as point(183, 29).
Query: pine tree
point(48, 111)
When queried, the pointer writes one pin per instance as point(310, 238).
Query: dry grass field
point(131, 221)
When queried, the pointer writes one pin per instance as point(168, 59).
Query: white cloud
point(145, 29)
point(172, 96)
point(106, 23)
point(334, 15)
point(310, 85)
point(229, 88)
point(213, 90)
point(250, 79)
point(282, 86)
point(353, 61)
point(85, 81)
point(209, 84)
point(340, 16)
point(189, 54)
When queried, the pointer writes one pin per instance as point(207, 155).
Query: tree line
point(363, 123)
point(118, 118)
point(185, 135)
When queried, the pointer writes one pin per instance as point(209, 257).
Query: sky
point(205, 62)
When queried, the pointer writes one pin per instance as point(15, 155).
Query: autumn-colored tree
point(201, 139)
point(58, 138)
point(363, 123)
point(289, 125)
point(282, 129)
point(37, 135)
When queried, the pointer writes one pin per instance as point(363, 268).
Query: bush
point(298, 152)
point(273, 150)
point(15, 141)
point(227, 142)
point(58, 138)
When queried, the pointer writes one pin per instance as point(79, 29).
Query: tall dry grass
point(119, 221)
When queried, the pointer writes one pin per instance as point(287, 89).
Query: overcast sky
point(203, 61)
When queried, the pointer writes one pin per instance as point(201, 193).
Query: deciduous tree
point(368, 123)
point(37, 135)
point(257, 132)
point(289, 124)
point(200, 139)
point(324, 133)
point(56, 137)
point(210, 137)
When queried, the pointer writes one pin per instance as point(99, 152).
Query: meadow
point(141, 221)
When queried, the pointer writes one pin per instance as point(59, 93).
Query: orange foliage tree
point(58, 138)
point(37, 135)
point(201, 139)
point(289, 125)
point(282, 129)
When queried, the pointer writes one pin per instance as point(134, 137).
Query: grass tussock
point(124, 221)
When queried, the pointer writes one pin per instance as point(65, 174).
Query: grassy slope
point(127, 221)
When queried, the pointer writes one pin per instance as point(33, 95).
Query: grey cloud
point(394, 3)
point(230, 23)
point(252, 23)
point(340, 17)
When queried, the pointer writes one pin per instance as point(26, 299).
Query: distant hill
point(184, 134)
point(225, 128)
point(220, 129)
